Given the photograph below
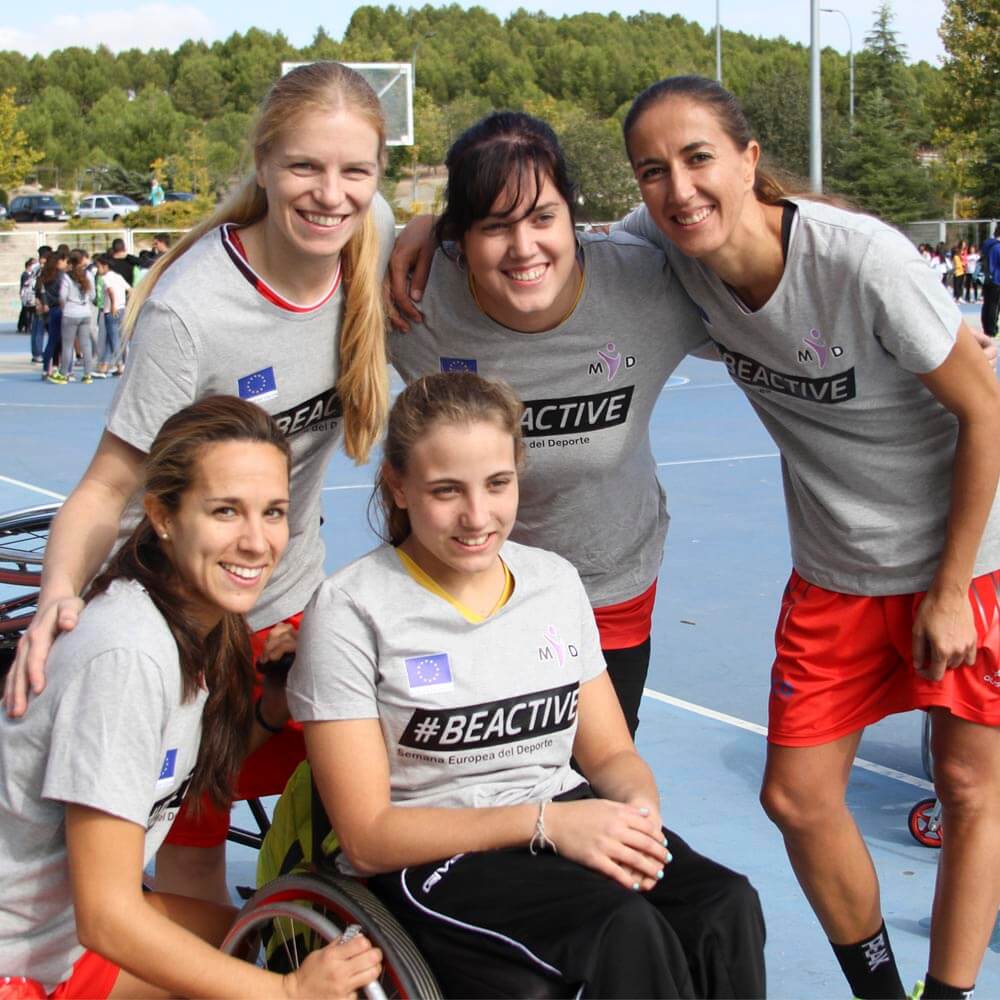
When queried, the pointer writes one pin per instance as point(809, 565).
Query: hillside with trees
point(99, 120)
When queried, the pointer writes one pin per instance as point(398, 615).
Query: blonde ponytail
point(363, 382)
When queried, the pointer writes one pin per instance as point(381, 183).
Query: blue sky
point(167, 24)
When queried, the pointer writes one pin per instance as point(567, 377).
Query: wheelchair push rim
point(332, 903)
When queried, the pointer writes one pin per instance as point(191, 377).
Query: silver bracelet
point(540, 840)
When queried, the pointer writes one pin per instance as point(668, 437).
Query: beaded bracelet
point(540, 840)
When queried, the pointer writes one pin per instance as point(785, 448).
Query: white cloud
point(151, 26)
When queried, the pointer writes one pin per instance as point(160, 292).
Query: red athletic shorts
point(92, 977)
point(628, 623)
point(843, 662)
point(265, 772)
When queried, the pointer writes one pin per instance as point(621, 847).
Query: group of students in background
point(962, 268)
point(72, 305)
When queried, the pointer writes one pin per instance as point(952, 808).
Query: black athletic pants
point(509, 924)
point(991, 308)
point(627, 669)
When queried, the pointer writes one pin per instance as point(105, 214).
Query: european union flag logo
point(166, 779)
point(257, 386)
point(458, 365)
point(430, 672)
point(169, 764)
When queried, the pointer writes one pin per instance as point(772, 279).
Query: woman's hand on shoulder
point(621, 840)
point(338, 970)
point(409, 266)
point(27, 672)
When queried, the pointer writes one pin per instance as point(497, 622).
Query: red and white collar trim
point(238, 255)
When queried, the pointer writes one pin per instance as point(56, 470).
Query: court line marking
point(752, 727)
point(709, 461)
point(699, 385)
point(34, 489)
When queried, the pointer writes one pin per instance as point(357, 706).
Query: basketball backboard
point(393, 82)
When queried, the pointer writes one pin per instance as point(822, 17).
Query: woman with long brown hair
point(276, 299)
point(149, 700)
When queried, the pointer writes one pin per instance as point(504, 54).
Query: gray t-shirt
point(589, 489)
point(206, 329)
point(108, 732)
point(472, 714)
point(830, 363)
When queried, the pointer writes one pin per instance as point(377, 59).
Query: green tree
point(200, 88)
point(970, 97)
point(777, 107)
point(16, 155)
point(879, 172)
point(57, 127)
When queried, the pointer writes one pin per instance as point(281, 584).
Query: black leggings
point(627, 669)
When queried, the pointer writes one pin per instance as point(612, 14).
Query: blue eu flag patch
point(257, 386)
point(458, 365)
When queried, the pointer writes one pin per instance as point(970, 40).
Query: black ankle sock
point(934, 989)
point(870, 967)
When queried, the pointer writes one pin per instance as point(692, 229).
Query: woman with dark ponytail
point(148, 701)
point(885, 412)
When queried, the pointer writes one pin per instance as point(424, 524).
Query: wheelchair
point(289, 917)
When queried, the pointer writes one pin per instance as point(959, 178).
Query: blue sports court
point(704, 712)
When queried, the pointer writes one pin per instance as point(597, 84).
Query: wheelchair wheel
point(925, 823)
point(23, 536)
point(271, 931)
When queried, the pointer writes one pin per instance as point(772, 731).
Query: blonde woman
point(276, 299)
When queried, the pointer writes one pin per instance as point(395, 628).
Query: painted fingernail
point(635, 886)
point(643, 811)
point(664, 841)
point(670, 857)
point(659, 874)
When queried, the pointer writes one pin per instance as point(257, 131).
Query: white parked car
point(106, 207)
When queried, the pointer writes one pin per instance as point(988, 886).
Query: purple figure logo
point(612, 358)
point(819, 345)
point(556, 644)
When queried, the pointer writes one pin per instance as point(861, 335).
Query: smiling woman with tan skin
point(444, 680)
point(276, 298)
point(149, 698)
point(885, 414)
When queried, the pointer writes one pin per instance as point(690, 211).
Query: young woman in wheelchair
point(149, 700)
point(444, 681)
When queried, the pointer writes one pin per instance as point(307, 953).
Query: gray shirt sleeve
point(335, 670)
point(913, 316)
point(161, 376)
point(99, 757)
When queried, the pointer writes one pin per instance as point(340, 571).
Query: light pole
point(413, 84)
point(850, 51)
point(815, 104)
point(718, 45)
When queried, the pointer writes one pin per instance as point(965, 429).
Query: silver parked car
point(106, 207)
